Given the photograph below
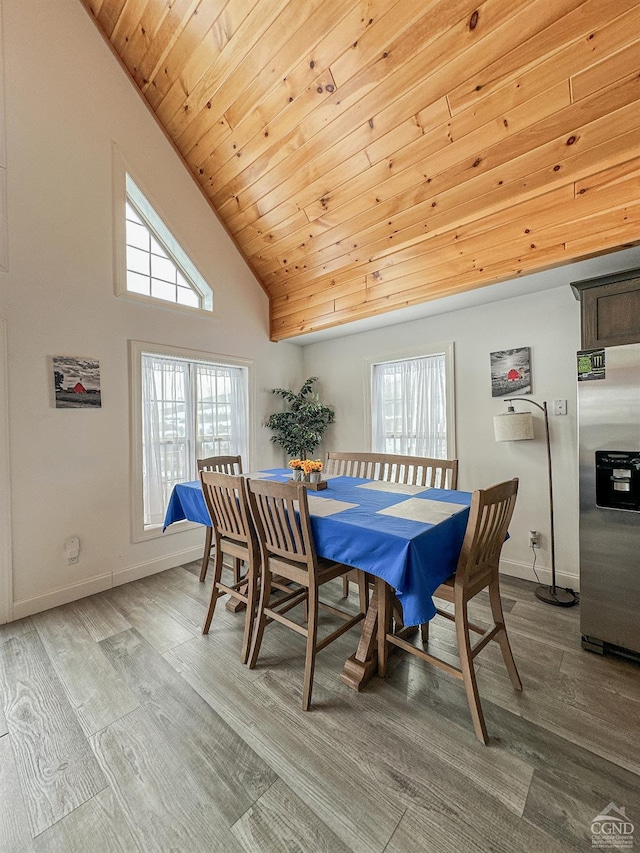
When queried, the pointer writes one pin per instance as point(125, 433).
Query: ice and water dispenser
point(618, 479)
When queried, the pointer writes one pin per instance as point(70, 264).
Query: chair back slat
point(489, 518)
point(391, 468)
point(281, 517)
point(227, 501)
point(221, 464)
point(365, 465)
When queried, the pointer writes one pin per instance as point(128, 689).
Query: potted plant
point(299, 429)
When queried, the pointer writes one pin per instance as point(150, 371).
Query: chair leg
point(265, 595)
point(424, 633)
point(310, 657)
point(215, 592)
point(345, 586)
point(468, 671)
point(236, 570)
point(249, 621)
point(502, 637)
point(398, 615)
point(207, 552)
point(384, 624)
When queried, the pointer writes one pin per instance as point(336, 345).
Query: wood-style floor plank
point(228, 770)
point(15, 834)
point(97, 694)
point(15, 629)
point(178, 604)
point(479, 831)
point(567, 810)
point(164, 805)
point(55, 765)
point(616, 675)
point(97, 825)
point(154, 623)
point(280, 820)
point(188, 582)
point(100, 618)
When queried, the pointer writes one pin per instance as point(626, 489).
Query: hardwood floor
point(122, 728)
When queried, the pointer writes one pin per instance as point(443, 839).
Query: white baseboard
point(525, 572)
point(152, 567)
point(29, 606)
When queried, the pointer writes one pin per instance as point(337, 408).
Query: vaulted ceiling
point(367, 155)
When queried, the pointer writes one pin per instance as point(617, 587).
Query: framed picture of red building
point(76, 382)
point(511, 372)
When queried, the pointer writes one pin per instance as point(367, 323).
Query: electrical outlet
point(533, 538)
point(72, 548)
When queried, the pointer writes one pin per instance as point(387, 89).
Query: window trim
point(446, 349)
point(121, 172)
point(136, 350)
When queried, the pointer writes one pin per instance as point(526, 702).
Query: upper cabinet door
point(609, 309)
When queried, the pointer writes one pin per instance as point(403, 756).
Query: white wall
point(66, 100)
point(549, 323)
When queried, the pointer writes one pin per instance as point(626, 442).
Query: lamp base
point(557, 595)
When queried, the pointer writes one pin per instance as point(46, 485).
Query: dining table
point(409, 536)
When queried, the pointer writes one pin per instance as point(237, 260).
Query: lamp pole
point(550, 595)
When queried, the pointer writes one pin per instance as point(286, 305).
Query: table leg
point(361, 666)
point(233, 604)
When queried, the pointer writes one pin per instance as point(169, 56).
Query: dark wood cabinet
point(609, 309)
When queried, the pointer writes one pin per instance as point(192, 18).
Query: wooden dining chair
point(489, 517)
point(223, 465)
point(227, 501)
point(393, 468)
point(280, 513)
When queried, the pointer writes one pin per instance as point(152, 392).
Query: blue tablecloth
point(414, 557)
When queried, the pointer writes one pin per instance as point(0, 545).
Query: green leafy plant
point(300, 428)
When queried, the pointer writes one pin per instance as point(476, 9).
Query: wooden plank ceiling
point(367, 155)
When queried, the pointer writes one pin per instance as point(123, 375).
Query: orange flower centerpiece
point(309, 470)
point(312, 470)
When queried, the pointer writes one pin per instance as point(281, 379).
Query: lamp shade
point(513, 426)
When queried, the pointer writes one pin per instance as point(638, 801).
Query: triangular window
point(157, 266)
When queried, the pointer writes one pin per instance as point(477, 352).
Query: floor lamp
point(516, 426)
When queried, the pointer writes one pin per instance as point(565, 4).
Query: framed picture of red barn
point(76, 382)
point(510, 372)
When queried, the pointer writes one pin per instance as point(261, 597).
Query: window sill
point(155, 531)
point(161, 303)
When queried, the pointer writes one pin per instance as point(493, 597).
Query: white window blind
point(409, 407)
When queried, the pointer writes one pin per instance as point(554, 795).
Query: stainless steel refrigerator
point(609, 441)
